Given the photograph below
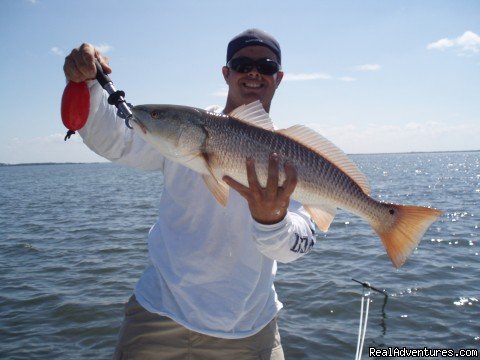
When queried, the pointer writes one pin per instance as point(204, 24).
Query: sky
point(371, 76)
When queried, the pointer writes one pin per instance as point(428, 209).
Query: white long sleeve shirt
point(211, 268)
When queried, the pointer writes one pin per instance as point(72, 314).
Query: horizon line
point(349, 154)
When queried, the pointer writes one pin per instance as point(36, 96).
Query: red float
point(75, 106)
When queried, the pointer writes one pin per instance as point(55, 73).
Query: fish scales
point(317, 177)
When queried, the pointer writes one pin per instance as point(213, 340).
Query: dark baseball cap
point(252, 37)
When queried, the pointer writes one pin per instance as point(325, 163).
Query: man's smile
point(252, 85)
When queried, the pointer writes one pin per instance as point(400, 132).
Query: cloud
point(306, 76)
point(220, 93)
point(441, 44)
point(103, 48)
point(57, 51)
point(407, 137)
point(367, 67)
point(347, 79)
point(469, 42)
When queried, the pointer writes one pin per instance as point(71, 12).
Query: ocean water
point(73, 244)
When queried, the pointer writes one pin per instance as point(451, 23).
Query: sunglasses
point(244, 65)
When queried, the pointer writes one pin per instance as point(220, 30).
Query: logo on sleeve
point(303, 244)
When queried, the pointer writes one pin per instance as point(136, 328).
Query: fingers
point(70, 68)
point(291, 179)
point(267, 205)
point(252, 178)
point(254, 191)
point(272, 179)
point(103, 60)
point(80, 64)
point(243, 190)
point(272, 190)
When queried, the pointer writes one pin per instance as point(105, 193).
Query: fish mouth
point(140, 125)
point(136, 111)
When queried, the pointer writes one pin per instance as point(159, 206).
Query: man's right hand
point(80, 64)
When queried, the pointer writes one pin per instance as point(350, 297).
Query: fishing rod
point(362, 326)
point(367, 285)
point(76, 102)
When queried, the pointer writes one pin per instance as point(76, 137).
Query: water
point(73, 244)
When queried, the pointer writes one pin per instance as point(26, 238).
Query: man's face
point(244, 88)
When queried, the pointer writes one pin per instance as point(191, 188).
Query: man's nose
point(254, 73)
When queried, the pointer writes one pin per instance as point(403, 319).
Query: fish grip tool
point(76, 102)
point(116, 97)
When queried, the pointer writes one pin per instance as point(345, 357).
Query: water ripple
point(73, 244)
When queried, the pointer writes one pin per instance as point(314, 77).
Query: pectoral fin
point(218, 189)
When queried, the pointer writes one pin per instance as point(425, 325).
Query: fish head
point(177, 131)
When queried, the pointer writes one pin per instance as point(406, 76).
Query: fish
point(215, 145)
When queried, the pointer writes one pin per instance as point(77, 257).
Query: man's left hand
point(267, 205)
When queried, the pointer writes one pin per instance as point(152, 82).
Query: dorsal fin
point(253, 114)
point(329, 151)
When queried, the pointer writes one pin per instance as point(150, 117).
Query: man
point(207, 292)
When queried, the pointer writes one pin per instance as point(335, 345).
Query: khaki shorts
point(146, 336)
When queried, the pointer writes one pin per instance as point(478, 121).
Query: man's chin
point(251, 97)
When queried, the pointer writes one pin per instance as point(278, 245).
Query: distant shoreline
point(106, 162)
point(418, 152)
point(54, 163)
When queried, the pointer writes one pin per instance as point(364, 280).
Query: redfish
point(216, 145)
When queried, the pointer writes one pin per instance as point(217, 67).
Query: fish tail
point(402, 235)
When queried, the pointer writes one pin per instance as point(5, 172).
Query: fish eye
point(155, 114)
